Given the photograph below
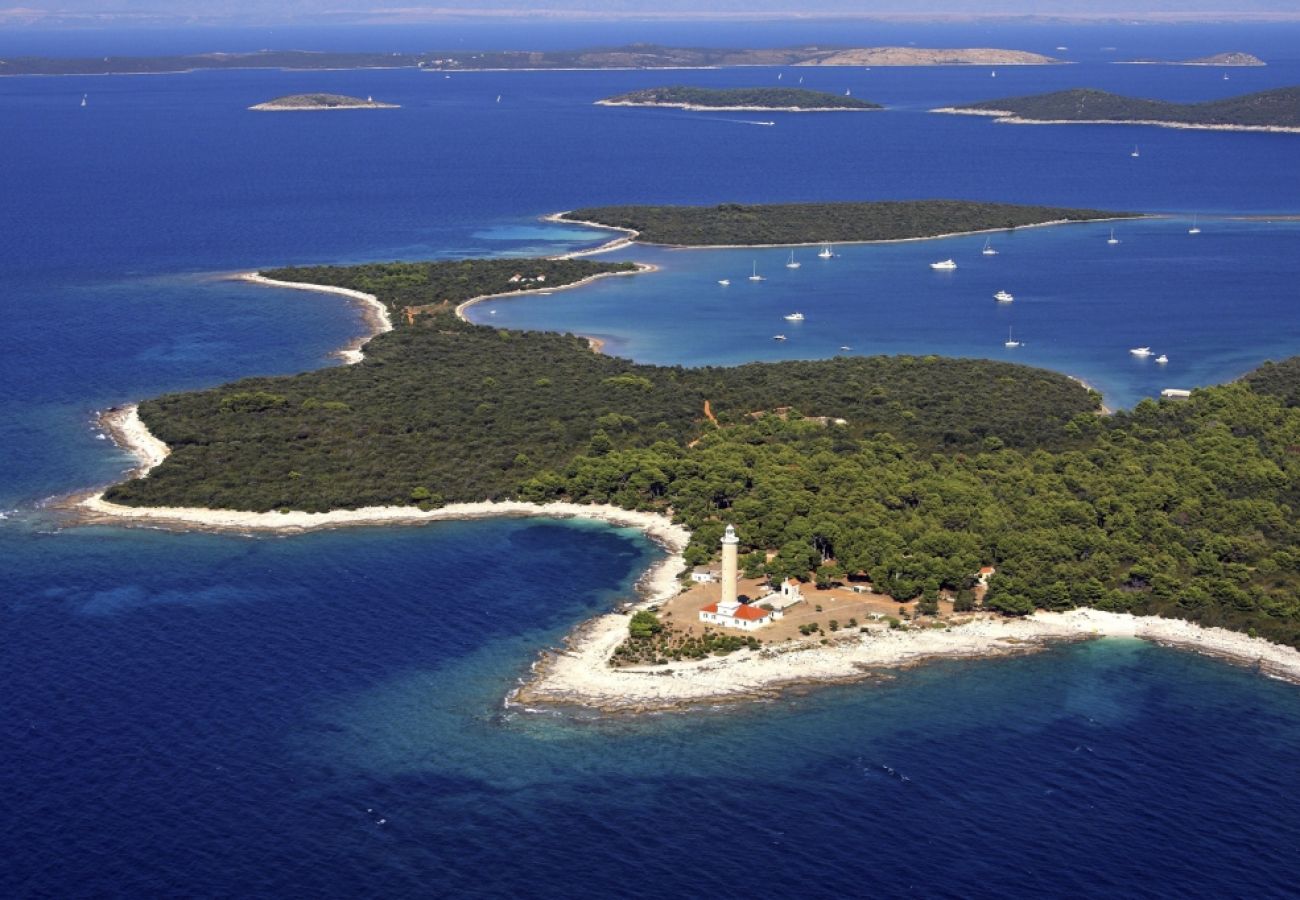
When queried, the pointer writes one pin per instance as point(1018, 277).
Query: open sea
point(202, 715)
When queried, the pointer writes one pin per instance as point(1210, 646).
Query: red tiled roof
point(987, 570)
point(753, 613)
point(712, 607)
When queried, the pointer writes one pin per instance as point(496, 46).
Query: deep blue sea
point(200, 715)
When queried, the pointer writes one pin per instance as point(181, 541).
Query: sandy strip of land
point(595, 342)
point(696, 107)
point(629, 235)
point(1006, 117)
point(579, 675)
point(375, 313)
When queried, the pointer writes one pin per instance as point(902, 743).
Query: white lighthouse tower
point(730, 545)
point(729, 611)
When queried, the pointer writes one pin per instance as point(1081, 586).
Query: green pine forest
point(940, 466)
point(808, 223)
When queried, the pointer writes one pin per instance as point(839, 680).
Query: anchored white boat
point(1143, 352)
point(1010, 341)
point(755, 276)
point(83, 99)
point(988, 248)
point(944, 265)
point(1003, 297)
point(826, 252)
point(794, 317)
point(724, 281)
point(845, 347)
point(1195, 229)
point(793, 264)
point(1162, 359)
point(1135, 154)
point(778, 337)
point(1112, 239)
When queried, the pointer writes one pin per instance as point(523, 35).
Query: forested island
point(910, 471)
point(1272, 110)
point(810, 223)
point(785, 99)
point(294, 102)
point(1218, 59)
point(631, 56)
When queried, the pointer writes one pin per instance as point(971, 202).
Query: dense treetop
point(1277, 108)
point(743, 98)
point(807, 223)
point(940, 466)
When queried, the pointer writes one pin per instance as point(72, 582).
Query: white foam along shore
point(1006, 117)
point(580, 675)
point(698, 107)
point(375, 313)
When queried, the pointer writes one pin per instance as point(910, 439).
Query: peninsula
point(732, 224)
point(739, 99)
point(1218, 59)
point(1272, 110)
point(891, 509)
point(296, 102)
point(632, 56)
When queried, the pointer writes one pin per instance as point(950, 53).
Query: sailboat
point(83, 99)
point(848, 93)
point(498, 98)
point(1010, 341)
point(792, 264)
point(1135, 154)
point(1195, 229)
point(988, 248)
point(993, 74)
point(756, 276)
point(1112, 239)
point(826, 252)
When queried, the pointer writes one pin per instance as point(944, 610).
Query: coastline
point(374, 314)
point(633, 236)
point(695, 107)
point(1007, 117)
point(579, 676)
point(271, 107)
point(641, 268)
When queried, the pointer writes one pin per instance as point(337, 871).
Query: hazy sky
point(47, 12)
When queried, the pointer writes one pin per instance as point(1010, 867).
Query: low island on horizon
point(630, 56)
point(304, 102)
point(905, 507)
point(752, 99)
point(1275, 110)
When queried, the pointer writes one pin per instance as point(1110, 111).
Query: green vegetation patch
point(764, 98)
point(1278, 108)
point(941, 466)
point(806, 223)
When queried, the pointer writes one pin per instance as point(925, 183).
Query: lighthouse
point(730, 545)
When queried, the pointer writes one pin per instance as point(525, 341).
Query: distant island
point(739, 99)
point(1273, 110)
point(294, 102)
point(632, 56)
point(813, 223)
point(1218, 59)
